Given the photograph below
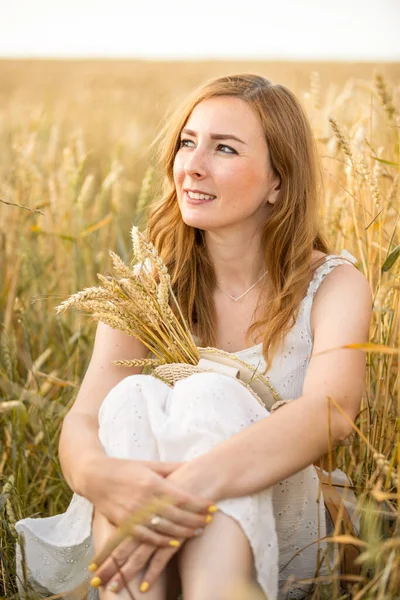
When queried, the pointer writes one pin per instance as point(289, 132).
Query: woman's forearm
point(79, 449)
point(271, 450)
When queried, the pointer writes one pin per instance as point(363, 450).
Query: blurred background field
point(76, 170)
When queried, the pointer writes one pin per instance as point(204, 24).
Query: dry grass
point(74, 141)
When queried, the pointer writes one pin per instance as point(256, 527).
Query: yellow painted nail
point(92, 567)
point(144, 587)
point(95, 582)
point(209, 518)
point(212, 508)
point(174, 543)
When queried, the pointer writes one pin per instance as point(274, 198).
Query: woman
point(238, 230)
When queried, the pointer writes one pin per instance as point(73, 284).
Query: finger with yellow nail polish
point(144, 587)
point(95, 582)
point(113, 587)
point(174, 543)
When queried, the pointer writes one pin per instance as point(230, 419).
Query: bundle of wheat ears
point(137, 302)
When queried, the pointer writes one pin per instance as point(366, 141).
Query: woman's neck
point(238, 260)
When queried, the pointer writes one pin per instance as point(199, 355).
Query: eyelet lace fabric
point(144, 419)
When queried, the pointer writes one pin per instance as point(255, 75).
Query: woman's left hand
point(132, 556)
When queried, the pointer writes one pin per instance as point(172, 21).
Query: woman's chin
point(197, 221)
point(204, 219)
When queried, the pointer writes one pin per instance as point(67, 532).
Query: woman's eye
point(184, 143)
point(230, 150)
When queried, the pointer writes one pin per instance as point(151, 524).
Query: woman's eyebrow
point(216, 136)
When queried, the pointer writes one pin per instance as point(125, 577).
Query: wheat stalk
point(138, 362)
point(341, 138)
point(137, 302)
point(384, 95)
point(144, 193)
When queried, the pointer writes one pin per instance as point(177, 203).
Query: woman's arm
point(118, 487)
point(79, 446)
point(297, 434)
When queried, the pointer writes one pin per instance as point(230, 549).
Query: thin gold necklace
point(244, 293)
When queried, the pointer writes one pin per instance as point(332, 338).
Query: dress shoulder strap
point(331, 261)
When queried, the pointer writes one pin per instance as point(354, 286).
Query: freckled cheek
point(178, 172)
point(244, 188)
point(239, 181)
point(252, 180)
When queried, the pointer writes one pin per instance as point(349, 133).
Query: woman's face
point(222, 172)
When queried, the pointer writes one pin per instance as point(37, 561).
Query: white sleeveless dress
point(142, 418)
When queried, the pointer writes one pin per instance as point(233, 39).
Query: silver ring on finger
point(155, 520)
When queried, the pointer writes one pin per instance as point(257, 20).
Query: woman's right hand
point(118, 488)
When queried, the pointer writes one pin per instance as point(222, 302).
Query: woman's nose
point(195, 165)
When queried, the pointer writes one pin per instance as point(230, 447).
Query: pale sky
point(276, 29)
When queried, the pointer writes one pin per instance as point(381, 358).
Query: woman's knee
point(205, 386)
point(118, 396)
point(129, 395)
point(223, 393)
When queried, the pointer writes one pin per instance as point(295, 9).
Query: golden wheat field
point(76, 171)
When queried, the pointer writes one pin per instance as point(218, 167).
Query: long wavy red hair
point(289, 235)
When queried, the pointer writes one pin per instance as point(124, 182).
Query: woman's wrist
point(80, 451)
point(200, 476)
point(89, 475)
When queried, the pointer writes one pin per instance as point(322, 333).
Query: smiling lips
point(199, 196)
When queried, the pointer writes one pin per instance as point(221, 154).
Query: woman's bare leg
point(216, 564)
point(102, 530)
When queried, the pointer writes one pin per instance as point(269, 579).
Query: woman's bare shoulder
point(344, 290)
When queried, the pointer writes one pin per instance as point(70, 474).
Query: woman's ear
point(276, 187)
